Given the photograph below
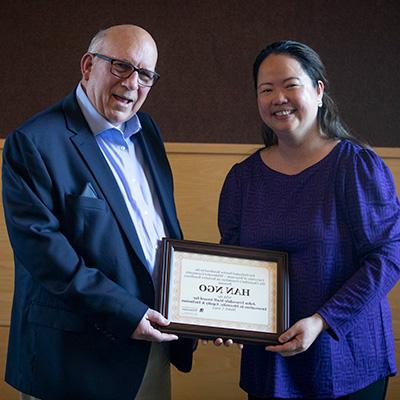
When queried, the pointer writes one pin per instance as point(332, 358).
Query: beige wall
point(199, 170)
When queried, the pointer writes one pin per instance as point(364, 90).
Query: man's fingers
point(146, 331)
point(166, 337)
point(154, 335)
point(156, 318)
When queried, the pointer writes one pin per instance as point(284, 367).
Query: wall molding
point(228, 148)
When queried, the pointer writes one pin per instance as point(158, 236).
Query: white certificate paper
point(223, 292)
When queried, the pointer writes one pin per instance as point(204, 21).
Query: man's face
point(118, 99)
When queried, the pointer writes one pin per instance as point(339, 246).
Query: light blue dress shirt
point(130, 172)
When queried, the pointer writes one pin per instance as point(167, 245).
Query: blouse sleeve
point(229, 209)
point(372, 211)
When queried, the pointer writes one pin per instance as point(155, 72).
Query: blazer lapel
point(153, 151)
point(86, 145)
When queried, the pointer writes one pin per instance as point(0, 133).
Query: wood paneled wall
point(199, 171)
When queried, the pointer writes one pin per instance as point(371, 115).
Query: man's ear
point(86, 66)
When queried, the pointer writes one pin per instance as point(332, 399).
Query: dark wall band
point(206, 53)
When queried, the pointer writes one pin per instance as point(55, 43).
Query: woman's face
point(287, 99)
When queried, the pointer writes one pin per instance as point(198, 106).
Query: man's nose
point(132, 83)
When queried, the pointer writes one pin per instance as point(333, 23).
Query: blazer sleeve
point(373, 215)
point(42, 249)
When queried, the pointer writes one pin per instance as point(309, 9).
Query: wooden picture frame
point(217, 291)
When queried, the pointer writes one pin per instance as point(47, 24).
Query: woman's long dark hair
point(328, 115)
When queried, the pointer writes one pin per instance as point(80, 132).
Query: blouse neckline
point(309, 168)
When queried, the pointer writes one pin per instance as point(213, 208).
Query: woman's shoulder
point(248, 165)
point(359, 157)
point(363, 167)
point(243, 171)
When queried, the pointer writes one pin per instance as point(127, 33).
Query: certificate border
point(176, 313)
point(169, 246)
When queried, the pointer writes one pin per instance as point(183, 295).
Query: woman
point(321, 196)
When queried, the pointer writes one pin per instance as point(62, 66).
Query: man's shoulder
point(49, 119)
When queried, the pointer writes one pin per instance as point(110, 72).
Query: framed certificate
point(217, 291)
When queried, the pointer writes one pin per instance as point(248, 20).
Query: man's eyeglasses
point(124, 70)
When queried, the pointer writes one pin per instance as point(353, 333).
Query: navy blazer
point(81, 286)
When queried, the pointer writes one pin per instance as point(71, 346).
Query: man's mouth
point(122, 99)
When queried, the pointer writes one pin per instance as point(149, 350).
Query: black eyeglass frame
point(156, 76)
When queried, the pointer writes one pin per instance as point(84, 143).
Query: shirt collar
point(98, 124)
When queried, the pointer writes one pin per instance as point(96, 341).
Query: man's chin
point(119, 118)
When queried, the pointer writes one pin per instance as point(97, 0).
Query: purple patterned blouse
point(339, 220)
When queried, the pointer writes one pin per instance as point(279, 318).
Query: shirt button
point(123, 148)
point(146, 213)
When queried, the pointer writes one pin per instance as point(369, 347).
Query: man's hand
point(147, 328)
point(299, 337)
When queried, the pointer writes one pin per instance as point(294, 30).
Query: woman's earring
point(320, 103)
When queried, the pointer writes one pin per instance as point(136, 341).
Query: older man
point(88, 194)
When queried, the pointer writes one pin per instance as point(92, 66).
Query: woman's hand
point(219, 341)
point(299, 337)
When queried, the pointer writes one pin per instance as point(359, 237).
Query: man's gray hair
point(97, 41)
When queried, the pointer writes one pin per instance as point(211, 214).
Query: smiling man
point(130, 54)
point(88, 194)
